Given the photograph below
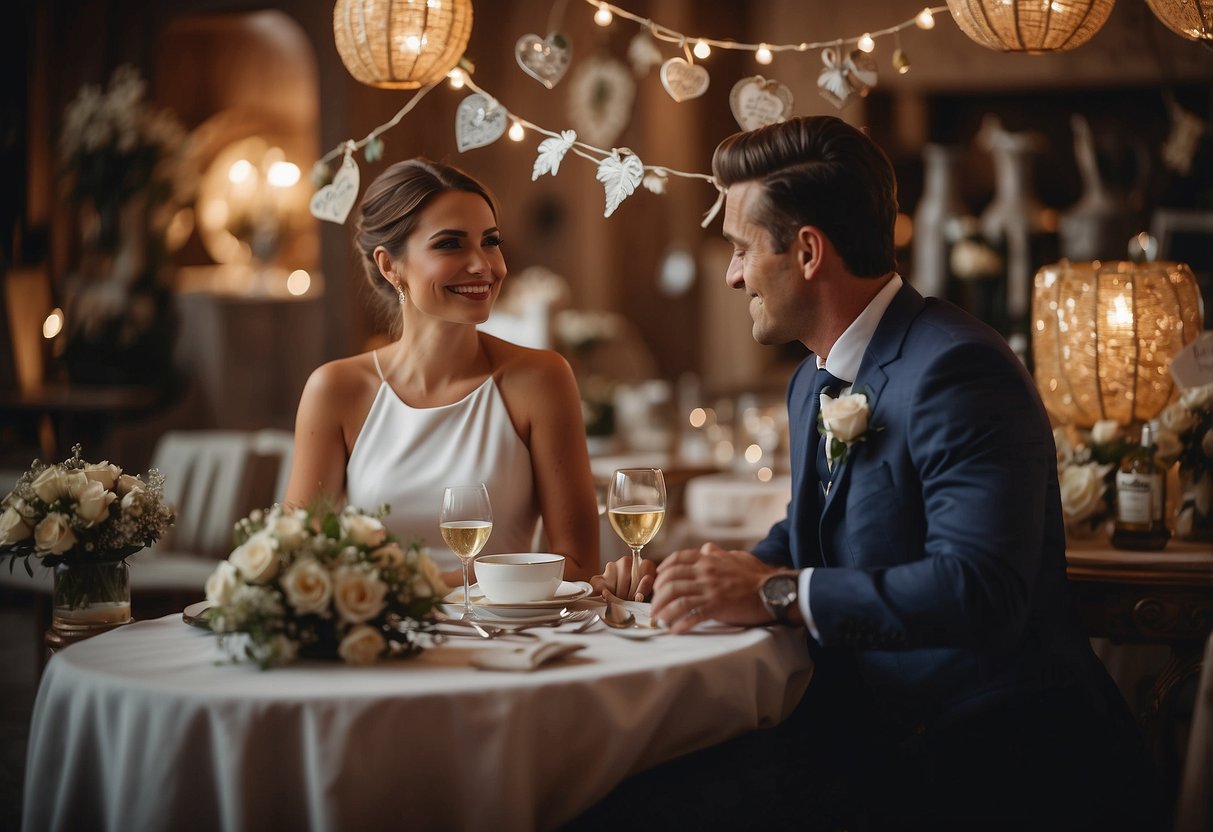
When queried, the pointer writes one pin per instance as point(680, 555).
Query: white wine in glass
point(636, 509)
point(467, 521)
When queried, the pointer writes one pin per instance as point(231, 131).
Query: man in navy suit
point(924, 550)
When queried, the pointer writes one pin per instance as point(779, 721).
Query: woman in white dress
point(445, 404)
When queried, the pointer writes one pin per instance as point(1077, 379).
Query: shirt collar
point(848, 350)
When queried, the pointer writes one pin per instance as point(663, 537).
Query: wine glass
point(636, 509)
point(467, 520)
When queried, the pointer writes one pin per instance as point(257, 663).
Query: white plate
point(198, 615)
point(567, 593)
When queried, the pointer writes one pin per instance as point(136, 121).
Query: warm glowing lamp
point(1104, 334)
point(1192, 19)
point(401, 44)
point(1033, 26)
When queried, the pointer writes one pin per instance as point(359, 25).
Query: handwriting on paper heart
point(334, 201)
point(478, 121)
point(544, 59)
point(683, 80)
point(757, 102)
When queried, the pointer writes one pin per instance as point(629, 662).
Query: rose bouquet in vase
point(84, 520)
point(1087, 462)
point(322, 583)
point(1185, 436)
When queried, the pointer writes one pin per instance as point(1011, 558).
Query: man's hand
point(695, 585)
point(617, 579)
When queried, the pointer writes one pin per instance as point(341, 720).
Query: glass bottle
point(1140, 498)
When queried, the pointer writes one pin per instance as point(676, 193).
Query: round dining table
point(151, 726)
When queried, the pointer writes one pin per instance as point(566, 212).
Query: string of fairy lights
point(482, 119)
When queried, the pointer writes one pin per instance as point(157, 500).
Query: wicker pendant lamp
point(1104, 334)
point(401, 44)
point(1192, 19)
point(1032, 26)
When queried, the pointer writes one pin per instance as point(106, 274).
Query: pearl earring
point(400, 294)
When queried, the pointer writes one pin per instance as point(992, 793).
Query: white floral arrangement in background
point(1087, 462)
point(1185, 435)
point(323, 583)
point(580, 330)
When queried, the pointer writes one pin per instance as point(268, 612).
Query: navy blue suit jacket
point(940, 546)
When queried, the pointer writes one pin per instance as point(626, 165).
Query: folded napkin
point(525, 657)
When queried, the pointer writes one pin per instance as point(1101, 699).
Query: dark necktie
point(831, 385)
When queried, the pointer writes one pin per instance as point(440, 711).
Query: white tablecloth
point(147, 728)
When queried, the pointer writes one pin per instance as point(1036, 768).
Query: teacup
point(519, 577)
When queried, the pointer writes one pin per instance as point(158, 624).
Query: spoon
point(618, 618)
point(492, 631)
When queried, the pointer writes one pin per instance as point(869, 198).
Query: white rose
point(433, 575)
point(105, 473)
point(1176, 417)
point(132, 503)
point(222, 584)
point(1105, 432)
point(1197, 398)
point(126, 484)
point(50, 485)
point(1082, 490)
point(54, 535)
point(1206, 443)
point(289, 529)
point(390, 556)
point(308, 586)
point(1183, 522)
point(361, 645)
point(257, 559)
point(358, 594)
point(1065, 450)
point(93, 503)
point(1167, 446)
point(76, 483)
point(845, 417)
point(363, 530)
point(13, 527)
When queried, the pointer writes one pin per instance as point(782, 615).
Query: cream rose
point(105, 473)
point(1082, 490)
point(308, 587)
point(358, 594)
point(363, 530)
point(361, 645)
point(845, 417)
point(1167, 446)
point(289, 529)
point(54, 535)
point(93, 503)
point(50, 485)
point(222, 584)
point(1065, 450)
point(1105, 432)
point(433, 576)
point(1197, 398)
point(257, 559)
point(126, 484)
point(390, 556)
point(132, 503)
point(13, 527)
point(1175, 417)
point(76, 483)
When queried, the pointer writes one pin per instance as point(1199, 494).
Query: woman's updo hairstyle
point(391, 208)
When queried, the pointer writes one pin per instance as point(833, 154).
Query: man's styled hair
point(819, 171)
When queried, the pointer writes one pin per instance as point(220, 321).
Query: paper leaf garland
point(656, 180)
point(334, 201)
point(619, 177)
point(547, 59)
point(551, 153)
point(478, 121)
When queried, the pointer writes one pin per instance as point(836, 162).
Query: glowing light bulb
point(299, 282)
point(866, 44)
point(516, 131)
point(764, 474)
point(763, 55)
point(925, 20)
point(457, 78)
point(603, 16)
point(1120, 316)
point(240, 170)
point(702, 49)
point(901, 61)
point(53, 324)
point(753, 453)
point(698, 418)
point(282, 174)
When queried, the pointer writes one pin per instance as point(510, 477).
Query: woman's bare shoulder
point(344, 378)
point(525, 364)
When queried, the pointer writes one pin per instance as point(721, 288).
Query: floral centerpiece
point(1186, 435)
point(1087, 462)
point(84, 519)
point(321, 583)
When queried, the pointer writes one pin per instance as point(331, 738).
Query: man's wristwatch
point(779, 592)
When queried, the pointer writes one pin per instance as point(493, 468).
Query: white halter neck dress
point(406, 456)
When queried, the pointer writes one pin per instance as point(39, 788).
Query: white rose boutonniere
point(843, 421)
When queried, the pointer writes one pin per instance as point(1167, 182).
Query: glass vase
point(88, 599)
point(1194, 520)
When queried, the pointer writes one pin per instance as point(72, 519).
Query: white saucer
point(567, 593)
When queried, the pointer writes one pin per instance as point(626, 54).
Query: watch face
point(780, 589)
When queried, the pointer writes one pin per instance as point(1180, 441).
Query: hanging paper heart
point(544, 59)
point(757, 102)
point(832, 80)
point(601, 92)
point(683, 80)
point(478, 121)
point(334, 201)
point(861, 72)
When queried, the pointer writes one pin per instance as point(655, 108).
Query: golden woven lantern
point(1192, 19)
point(1033, 26)
point(401, 44)
point(1104, 334)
